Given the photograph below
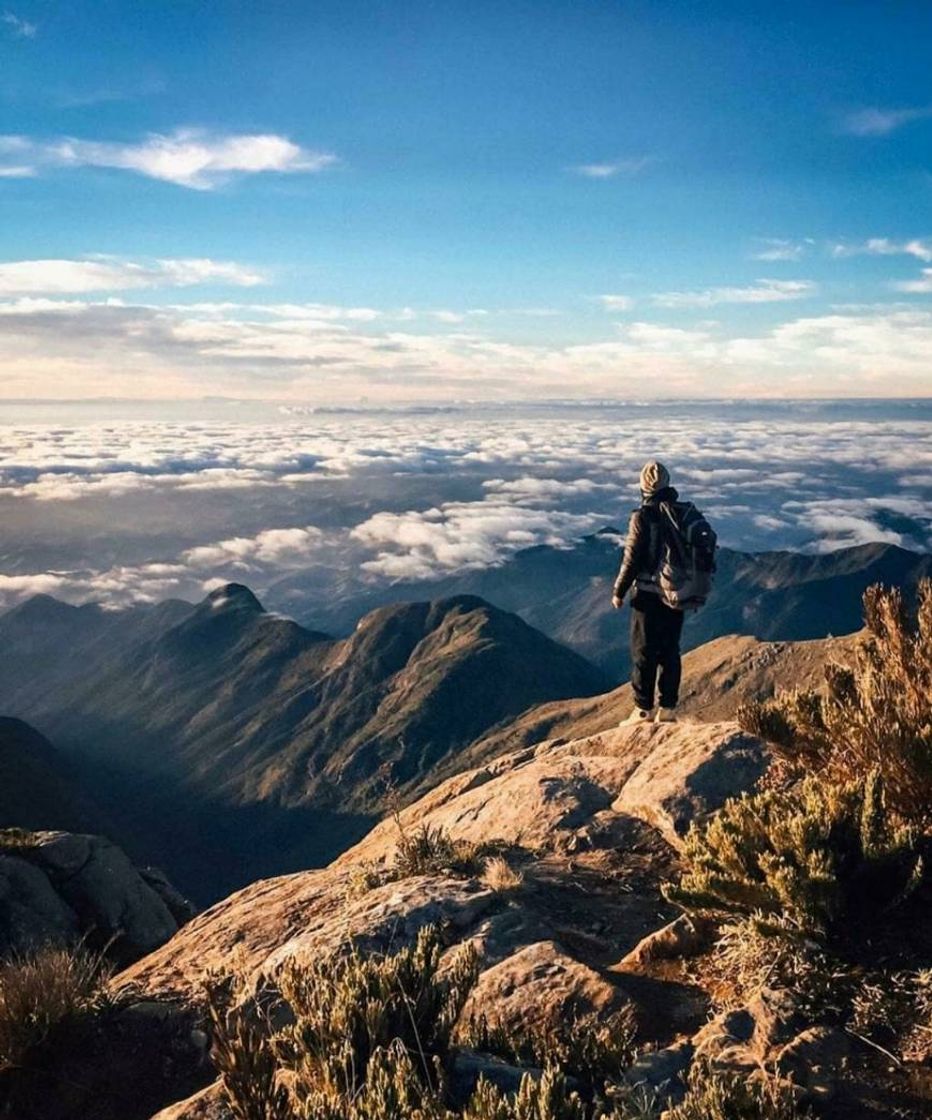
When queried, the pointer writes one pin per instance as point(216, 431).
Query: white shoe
point(639, 715)
point(666, 715)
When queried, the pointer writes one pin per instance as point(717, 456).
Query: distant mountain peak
point(234, 596)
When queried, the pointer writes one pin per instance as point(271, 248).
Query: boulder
point(685, 936)
point(815, 1061)
point(690, 771)
point(569, 796)
point(208, 1104)
point(61, 887)
point(662, 1071)
point(538, 986)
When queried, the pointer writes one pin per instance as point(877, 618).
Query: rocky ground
point(592, 827)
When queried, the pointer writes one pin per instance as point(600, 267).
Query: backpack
point(687, 564)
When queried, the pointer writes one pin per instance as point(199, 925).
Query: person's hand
point(618, 602)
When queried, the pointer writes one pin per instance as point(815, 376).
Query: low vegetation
point(373, 1038)
point(875, 715)
point(433, 851)
point(717, 1096)
point(41, 991)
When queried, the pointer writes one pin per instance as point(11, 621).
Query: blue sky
point(410, 200)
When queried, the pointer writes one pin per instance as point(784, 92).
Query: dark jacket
point(644, 544)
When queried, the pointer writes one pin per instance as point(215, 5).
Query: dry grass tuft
point(498, 875)
point(40, 991)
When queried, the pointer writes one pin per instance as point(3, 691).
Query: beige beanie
point(654, 477)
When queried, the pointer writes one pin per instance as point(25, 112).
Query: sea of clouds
point(123, 508)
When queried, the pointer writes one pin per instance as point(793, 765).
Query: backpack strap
point(674, 539)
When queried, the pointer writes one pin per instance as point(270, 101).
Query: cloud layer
point(386, 496)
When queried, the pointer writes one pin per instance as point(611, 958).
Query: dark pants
point(655, 645)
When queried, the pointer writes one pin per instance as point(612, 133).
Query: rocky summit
point(590, 828)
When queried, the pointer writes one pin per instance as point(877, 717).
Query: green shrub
point(821, 856)
point(751, 954)
point(874, 715)
point(539, 1098)
point(40, 991)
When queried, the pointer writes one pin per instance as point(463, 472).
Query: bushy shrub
point(874, 715)
point(539, 1098)
point(822, 857)
point(244, 1058)
point(40, 991)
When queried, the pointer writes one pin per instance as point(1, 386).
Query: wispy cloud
point(880, 122)
point(920, 248)
point(609, 169)
point(20, 28)
point(616, 302)
point(110, 274)
point(779, 249)
point(189, 158)
point(762, 291)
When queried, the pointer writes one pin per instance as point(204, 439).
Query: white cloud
point(459, 536)
point(762, 291)
point(20, 28)
point(881, 122)
point(779, 249)
point(918, 247)
point(279, 548)
point(96, 274)
point(616, 302)
point(190, 158)
point(69, 347)
point(609, 169)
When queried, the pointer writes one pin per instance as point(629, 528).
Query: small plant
point(820, 857)
point(752, 954)
point(875, 715)
point(243, 1056)
point(362, 878)
point(539, 1098)
point(712, 1095)
point(40, 991)
point(594, 1050)
point(499, 876)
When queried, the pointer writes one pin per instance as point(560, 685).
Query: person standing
point(667, 565)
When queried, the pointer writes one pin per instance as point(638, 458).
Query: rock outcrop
point(62, 888)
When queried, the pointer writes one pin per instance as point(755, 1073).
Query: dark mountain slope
point(37, 788)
